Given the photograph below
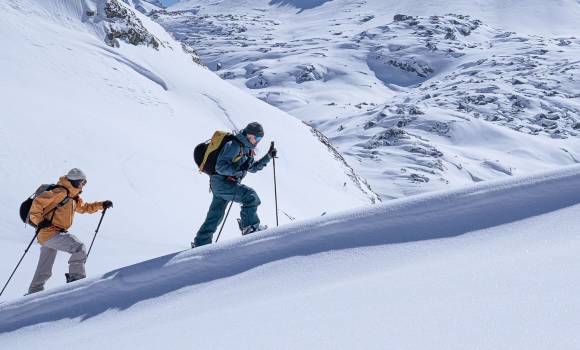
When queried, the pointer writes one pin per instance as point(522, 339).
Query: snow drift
point(359, 248)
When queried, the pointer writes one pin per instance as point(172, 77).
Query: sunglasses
point(78, 183)
point(258, 138)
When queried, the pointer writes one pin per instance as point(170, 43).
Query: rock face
point(308, 73)
point(124, 25)
point(120, 23)
point(191, 51)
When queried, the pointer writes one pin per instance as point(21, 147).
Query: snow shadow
point(138, 69)
point(299, 4)
point(425, 217)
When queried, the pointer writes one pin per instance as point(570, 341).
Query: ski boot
point(71, 278)
point(251, 229)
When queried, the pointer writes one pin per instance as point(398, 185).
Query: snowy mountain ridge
point(405, 97)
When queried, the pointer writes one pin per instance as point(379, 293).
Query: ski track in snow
point(425, 217)
point(139, 69)
point(235, 128)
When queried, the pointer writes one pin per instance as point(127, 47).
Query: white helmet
point(76, 174)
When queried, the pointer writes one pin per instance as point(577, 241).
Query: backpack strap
point(61, 203)
point(239, 156)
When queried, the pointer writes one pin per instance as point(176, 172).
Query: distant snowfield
point(488, 266)
point(541, 17)
point(397, 97)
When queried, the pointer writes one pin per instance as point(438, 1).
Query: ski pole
point(96, 231)
point(275, 187)
point(225, 219)
point(17, 265)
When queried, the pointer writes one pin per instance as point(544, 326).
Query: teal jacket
point(229, 162)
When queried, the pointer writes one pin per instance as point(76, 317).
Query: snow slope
point(488, 266)
point(76, 93)
point(405, 100)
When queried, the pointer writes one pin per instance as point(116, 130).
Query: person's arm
point(88, 208)
point(259, 165)
point(225, 162)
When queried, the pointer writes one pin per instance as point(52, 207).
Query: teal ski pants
point(225, 191)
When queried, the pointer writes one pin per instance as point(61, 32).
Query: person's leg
point(214, 216)
point(43, 269)
point(246, 196)
point(250, 202)
point(69, 243)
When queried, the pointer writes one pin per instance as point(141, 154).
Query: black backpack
point(206, 153)
point(27, 204)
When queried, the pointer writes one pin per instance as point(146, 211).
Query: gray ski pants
point(61, 242)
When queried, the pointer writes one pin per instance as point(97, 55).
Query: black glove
point(107, 204)
point(246, 165)
point(272, 152)
point(43, 224)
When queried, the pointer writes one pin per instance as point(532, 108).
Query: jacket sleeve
point(45, 200)
point(259, 165)
point(87, 208)
point(225, 163)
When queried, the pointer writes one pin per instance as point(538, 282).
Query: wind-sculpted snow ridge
point(360, 182)
point(405, 98)
point(420, 218)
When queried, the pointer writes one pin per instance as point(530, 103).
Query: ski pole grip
point(271, 147)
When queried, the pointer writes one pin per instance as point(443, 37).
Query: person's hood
point(72, 191)
point(241, 136)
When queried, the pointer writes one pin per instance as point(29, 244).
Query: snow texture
point(498, 251)
point(415, 96)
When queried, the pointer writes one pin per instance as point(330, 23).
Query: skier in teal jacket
point(234, 161)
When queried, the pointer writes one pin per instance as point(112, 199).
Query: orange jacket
point(62, 220)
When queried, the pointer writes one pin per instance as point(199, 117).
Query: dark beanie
point(255, 129)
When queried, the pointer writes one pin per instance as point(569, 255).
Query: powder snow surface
point(488, 266)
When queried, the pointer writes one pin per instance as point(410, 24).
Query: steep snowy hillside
point(491, 266)
point(94, 84)
point(415, 102)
